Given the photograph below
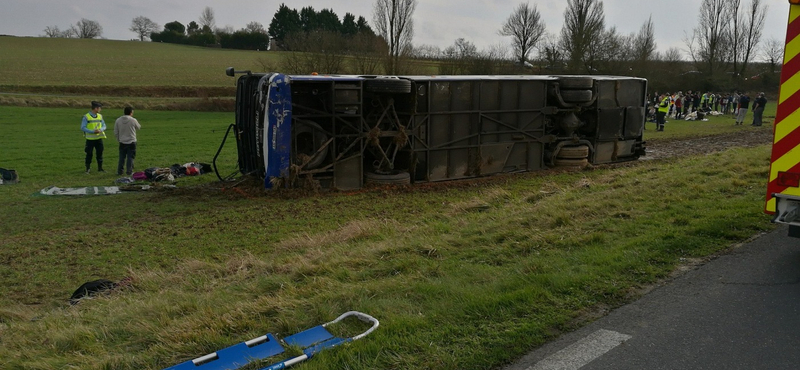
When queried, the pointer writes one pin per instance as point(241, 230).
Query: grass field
point(462, 276)
point(40, 61)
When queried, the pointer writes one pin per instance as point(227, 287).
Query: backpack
point(8, 176)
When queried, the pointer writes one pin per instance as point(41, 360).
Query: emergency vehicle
point(783, 188)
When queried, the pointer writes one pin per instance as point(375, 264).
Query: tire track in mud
point(668, 148)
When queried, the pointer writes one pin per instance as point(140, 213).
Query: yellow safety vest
point(94, 124)
point(664, 106)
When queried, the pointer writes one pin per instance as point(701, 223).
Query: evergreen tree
point(174, 33)
point(308, 19)
point(328, 20)
point(285, 22)
point(192, 28)
point(363, 27)
point(349, 26)
point(176, 27)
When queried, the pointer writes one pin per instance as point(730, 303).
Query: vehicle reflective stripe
point(785, 150)
point(788, 126)
point(789, 77)
point(787, 163)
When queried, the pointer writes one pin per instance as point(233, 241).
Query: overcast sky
point(437, 22)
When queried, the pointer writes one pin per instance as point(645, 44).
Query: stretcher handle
point(361, 316)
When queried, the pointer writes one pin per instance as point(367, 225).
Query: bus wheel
point(563, 162)
point(574, 152)
point(389, 85)
point(391, 178)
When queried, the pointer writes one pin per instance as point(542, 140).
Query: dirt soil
point(251, 187)
point(667, 148)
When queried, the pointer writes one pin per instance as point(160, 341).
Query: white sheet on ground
point(89, 190)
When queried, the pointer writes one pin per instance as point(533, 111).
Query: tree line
point(721, 48)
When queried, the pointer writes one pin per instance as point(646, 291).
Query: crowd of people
point(694, 105)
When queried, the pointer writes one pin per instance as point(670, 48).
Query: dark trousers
point(97, 146)
point(127, 152)
point(757, 116)
point(660, 120)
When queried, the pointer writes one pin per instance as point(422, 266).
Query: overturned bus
point(341, 132)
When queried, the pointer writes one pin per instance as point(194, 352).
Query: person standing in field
point(661, 114)
point(94, 129)
point(125, 128)
point(758, 109)
point(744, 104)
point(679, 106)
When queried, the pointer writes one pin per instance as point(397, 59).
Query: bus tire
point(576, 96)
point(393, 178)
point(387, 85)
point(562, 162)
point(574, 152)
point(575, 83)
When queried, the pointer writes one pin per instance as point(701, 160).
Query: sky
point(436, 22)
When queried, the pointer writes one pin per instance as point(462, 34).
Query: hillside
point(36, 61)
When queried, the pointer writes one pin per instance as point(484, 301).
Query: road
point(739, 311)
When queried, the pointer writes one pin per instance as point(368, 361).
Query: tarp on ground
point(100, 190)
point(88, 190)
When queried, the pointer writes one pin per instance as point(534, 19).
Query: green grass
point(462, 276)
point(45, 145)
point(676, 129)
point(82, 62)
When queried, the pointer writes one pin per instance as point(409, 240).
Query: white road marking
point(582, 352)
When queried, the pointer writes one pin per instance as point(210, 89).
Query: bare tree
point(367, 51)
point(772, 52)
point(426, 52)
point(607, 52)
point(584, 22)
point(143, 27)
point(88, 29)
point(316, 51)
point(69, 33)
point(207, 18)
point(551, 53)
point(227, 30)
point(393, 21)
point(458, 57)
point(671, 56)
point(709, 42)
point(526, 28)
point(749, 28)
point(255, 27)
point(52, 31)
point(644, 44)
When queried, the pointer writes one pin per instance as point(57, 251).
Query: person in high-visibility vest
point(661, 114)
point(704, 101)
point(94, 129)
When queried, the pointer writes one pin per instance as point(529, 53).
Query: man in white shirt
point(125, 128)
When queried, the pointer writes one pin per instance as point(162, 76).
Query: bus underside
point(344, 131)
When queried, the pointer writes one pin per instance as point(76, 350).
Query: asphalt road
point(739, 311)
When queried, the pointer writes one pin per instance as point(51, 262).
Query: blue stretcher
point(311, 341)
